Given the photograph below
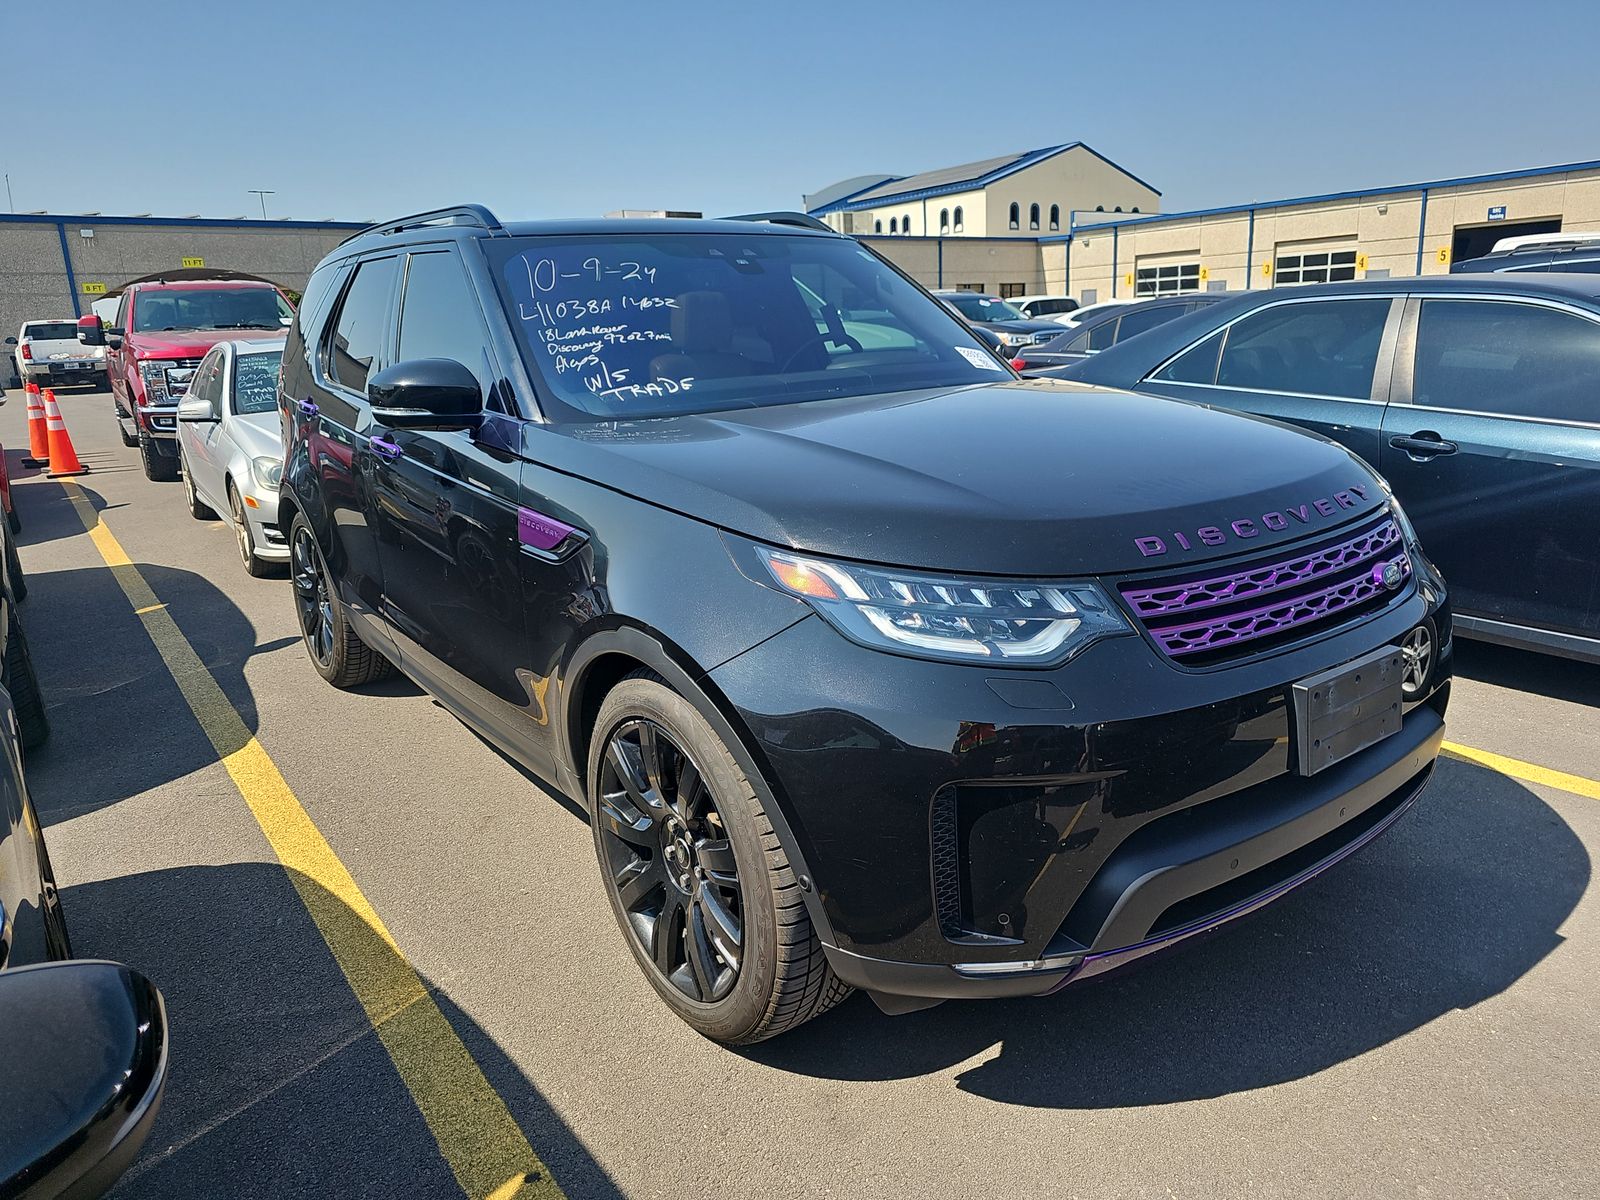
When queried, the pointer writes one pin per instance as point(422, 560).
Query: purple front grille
point(1198, 620)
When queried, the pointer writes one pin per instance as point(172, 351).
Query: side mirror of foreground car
point(426, 393)
point(85, 1051)
point(91, 330)
point(197, 409)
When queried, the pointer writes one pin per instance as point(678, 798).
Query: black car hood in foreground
point(1030, 478)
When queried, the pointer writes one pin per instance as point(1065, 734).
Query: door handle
point(307, 407)
point(384, 448)
point(1424, 444)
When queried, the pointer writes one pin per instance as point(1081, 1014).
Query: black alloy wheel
point(313, 601)
point(669, 862)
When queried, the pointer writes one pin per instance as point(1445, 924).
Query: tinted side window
point(1198, 364)
point(1323, 348)
point(1500, 357)
point(1103, 335)
point(358, 327)
point(207, 383)
point(1147, 318)
point(1583, 266)
point(439, 316)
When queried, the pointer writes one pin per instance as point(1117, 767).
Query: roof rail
point(458, 214)
point(800, 219)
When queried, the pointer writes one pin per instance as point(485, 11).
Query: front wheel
point(23, 684)
point(198, 508)
point(697, 880)
point(336, 650)
point(157, 466)
point(247, 540)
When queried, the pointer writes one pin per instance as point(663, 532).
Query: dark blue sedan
point(1476, 396)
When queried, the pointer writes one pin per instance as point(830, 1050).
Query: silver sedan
point(230, 446)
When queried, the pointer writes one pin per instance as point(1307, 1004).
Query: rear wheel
point(198, 509)
point(697, 880)
point(19, 580)
point(24, 687)
point(13, 520)
point(157, 466)
point(336, 650)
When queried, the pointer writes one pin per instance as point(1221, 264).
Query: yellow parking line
point(1526, 771)
point(476, 1133)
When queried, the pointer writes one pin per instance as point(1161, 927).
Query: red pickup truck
point(159, 335)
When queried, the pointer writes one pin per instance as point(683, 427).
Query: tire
point(247, 540)
point(157, 466)
point(19, 580)
point(780, 976)
point(128, 439)
point(24, 687)
point(13, 519)
point(336, 650)
point(198, 509)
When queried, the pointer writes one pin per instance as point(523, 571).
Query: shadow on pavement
point(279, 1087)
point(1457, 903)
point(1525, 671)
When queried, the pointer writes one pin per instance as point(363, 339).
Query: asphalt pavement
point(1422, 1022)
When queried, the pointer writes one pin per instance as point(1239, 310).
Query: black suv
point(1578, 254)
point(874, 664)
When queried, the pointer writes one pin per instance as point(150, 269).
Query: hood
point(1028, 326)
point(192, 343)
point(1031, 477)
point(260, 435)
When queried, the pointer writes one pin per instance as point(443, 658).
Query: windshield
point(50, 331)
point(984, 308)
point(646, 325)
point(210, 308)
point(255, 382)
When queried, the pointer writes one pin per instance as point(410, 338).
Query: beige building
point(1020, 197)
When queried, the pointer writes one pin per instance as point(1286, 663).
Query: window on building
point(1008, 290)
point(1494, 356)
point(1033, 216)
point(1323, 348)
point(1118, 208)
point(1016, 216)
point(1135, 208)
point(1322, 266)
point(905, 223)
point(894, 224)
point(1099, 208)
point(1055, 216)
point(970, 287)
point(958, 218)
point(1166, 280)
point(877, 225)
point(944, 220)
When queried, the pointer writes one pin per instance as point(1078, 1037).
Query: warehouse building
point(1013, 247)
point(54, 266)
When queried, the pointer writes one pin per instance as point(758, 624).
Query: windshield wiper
point(245, 325)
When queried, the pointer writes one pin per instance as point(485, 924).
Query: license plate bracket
point(1342, 711)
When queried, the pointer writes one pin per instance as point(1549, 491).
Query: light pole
point(262, 194)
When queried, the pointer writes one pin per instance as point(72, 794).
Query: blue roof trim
point(203, 222)
point(1354, 194)
point(1022, 162)
point(835, 205)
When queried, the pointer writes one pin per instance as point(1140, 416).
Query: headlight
point(1014, 339)
point(267, 471)
point(950, 618)
point(154, 373)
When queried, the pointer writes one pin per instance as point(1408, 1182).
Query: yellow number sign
point(1266, 268)
point(193, 262)
point(1361, 262)
point(1128, 279)
point(1205, 274)
point(1444, 254)
point(92, 288)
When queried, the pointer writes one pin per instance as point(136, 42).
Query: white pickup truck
point(48, 353)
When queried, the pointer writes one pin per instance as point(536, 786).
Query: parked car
point(1039, 307)
point(876, 667)
point(32, 928)
point(230, 447)
point(85, 1052)
point(1559, 252)
point(991, 312)
point(16, 664)
point(1106, 329)
point(1087, 312)
point(48, 353)
point(162, 331)
point(1476, 396)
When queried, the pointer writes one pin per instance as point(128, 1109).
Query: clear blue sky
point(356, 109)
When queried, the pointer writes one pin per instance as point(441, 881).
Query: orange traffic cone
point(63, 458)
point(38, 438)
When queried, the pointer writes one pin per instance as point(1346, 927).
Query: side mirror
point(11, 341)
point(91, 330)
point(85, 1048)
point(426, 393)
point(196, 409)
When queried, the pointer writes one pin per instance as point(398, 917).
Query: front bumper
point(971, 832)
point(270, 543)
point(161, 424)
